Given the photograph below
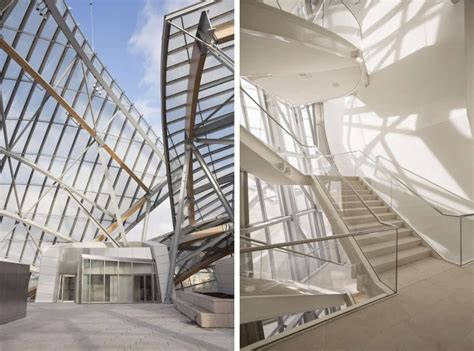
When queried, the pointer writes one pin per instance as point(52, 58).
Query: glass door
point(67, 290)
point(142, 288)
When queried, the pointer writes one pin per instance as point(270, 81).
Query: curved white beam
point(53, 177)
point(31, 223)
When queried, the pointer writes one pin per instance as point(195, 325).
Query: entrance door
point(68, 288)
point(142, 288)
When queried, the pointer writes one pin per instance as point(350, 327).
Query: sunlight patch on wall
point(404, 29)
point(460, 121)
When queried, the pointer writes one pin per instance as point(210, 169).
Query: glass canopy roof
point(198, 128)
point(78, 162)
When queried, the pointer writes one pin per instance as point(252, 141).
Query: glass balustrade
point(442, 218)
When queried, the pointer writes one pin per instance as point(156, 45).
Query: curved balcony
point(320, 40)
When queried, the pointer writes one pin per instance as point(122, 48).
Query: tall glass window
point(114, 281)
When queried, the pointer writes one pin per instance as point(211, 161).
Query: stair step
point(355, 198)
point(203, 317)
point(358, 211)
point(368, 218)
point(374, 225)
point(387, 262)
point(379, 237)
point(349, 192)
point(358, 203)
point(388, 247)
point(355, 185)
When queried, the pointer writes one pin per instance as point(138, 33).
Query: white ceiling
point(293, 59)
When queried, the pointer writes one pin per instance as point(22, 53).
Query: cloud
point(146, 41)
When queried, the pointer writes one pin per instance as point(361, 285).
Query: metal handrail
point(309, 241)
point(407, 186)
point(262, 243)
point(393, 226)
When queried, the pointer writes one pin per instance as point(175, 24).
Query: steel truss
point(77, 160)
point(286, 212)
point(198, 127)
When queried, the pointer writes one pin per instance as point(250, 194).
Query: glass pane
point(142, 268)
point(139, 288)
point(97, 288)
point(85, 288)
point(97, 267)
point(125, 288)
point(69, 288)
point(148, 289)
point(111, 267)
point(87, 265)
point(125, 268)
point(157, 289)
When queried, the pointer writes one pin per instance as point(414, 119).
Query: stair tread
point(374, 224)
point(193, 307)
point(402, 254)
point(385, 235)
point(358, 201)
point(365, 208)
point(390, 243)
point(369, 216)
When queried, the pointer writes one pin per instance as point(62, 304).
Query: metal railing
point(313, 147)
point(313, 270)
point(303, 146)
point(393, 177)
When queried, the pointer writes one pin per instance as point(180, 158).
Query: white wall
point(225, 275)
point(469, 24)
point(414, 110)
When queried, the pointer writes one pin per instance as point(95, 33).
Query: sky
point(127, 39)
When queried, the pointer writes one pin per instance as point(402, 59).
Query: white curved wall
point(414, 112)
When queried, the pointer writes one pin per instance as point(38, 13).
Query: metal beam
point(214, 183)
point(196, 67)
point(31, 223)
point(53, 177)
point(215, 141)
point(95, 221)
point(90, 66)
point(202, 264)
point(179, 222)
point(226, 120)
point(11, 52)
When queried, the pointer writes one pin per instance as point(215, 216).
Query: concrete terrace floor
point(433, 311)
point(109, 327)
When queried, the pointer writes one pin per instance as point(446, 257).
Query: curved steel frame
point(198, 126)
point(77, 160)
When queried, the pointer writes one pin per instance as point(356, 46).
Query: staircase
point(379, 248)
point(206, 310)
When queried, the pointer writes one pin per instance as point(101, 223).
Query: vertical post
point(246, 261)
point(179, 222)
point(391, 192)
point(213, 181)
point(111, 191)
point(396, 260)
point(355, 164)
point(460, 240)
point(147, 218)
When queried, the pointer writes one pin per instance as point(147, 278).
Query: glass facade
point(117, 281)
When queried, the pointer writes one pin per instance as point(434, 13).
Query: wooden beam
point(196, 68)
point(203, 234)
point(224, 32)
point(206, 262)
point(126, 215)
point(70, 111)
